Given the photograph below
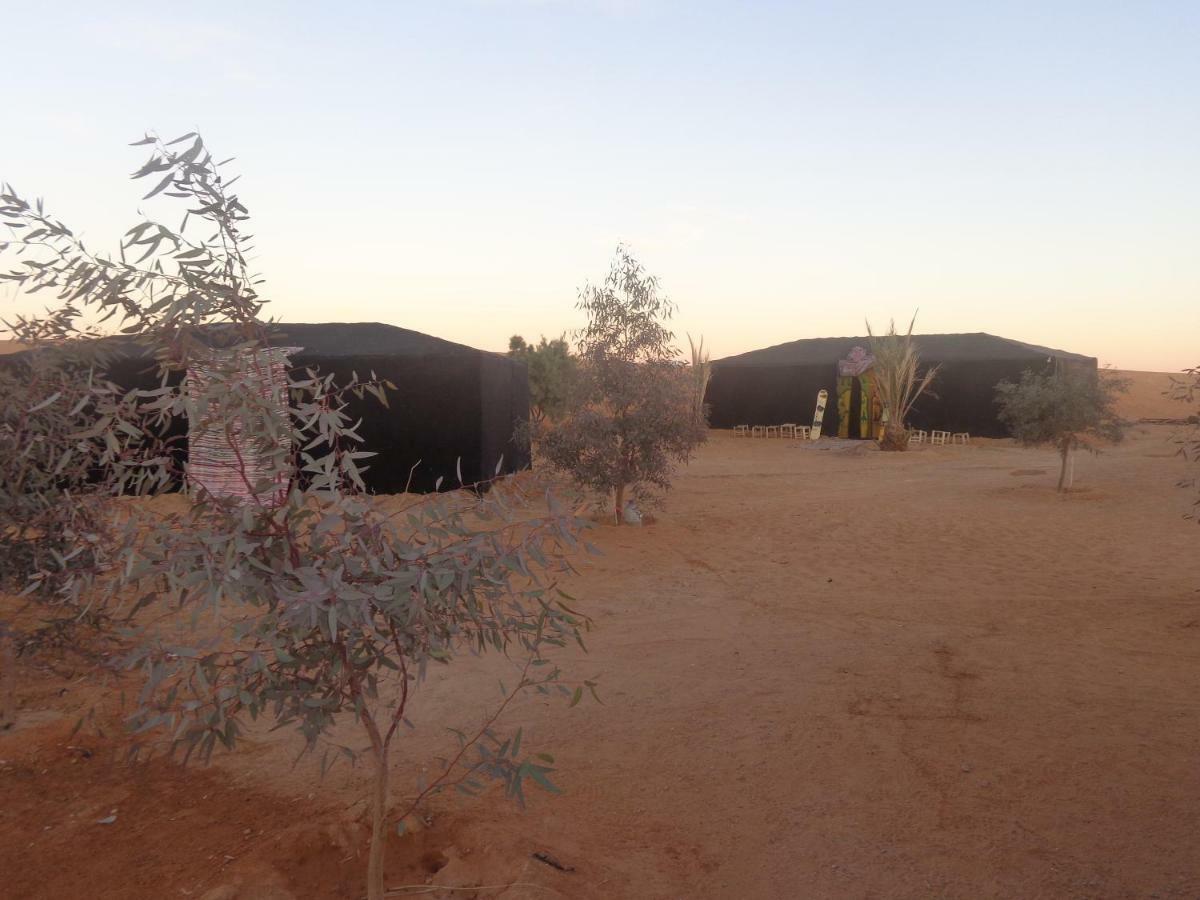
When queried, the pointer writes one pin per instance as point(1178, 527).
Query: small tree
point(631, 415)
point(1069, 409)
point(551, 370)
point(701, 372)
point(1186, 389)
point(898, 380)
point(300, 599)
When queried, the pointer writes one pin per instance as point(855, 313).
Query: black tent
point(453, 405)
point(779, 384)
point(451, 402)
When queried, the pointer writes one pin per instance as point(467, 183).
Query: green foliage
point(1069, 408)
point(631, 415)
point(898, 380)
point(304, 601)
point(551, 373)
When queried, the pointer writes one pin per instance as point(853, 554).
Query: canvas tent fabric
point(452, 403)
point(779, 384)
point(455, 409)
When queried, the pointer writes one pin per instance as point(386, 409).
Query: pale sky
point(787, 169)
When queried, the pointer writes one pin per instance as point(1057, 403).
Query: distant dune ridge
point(1146, 398)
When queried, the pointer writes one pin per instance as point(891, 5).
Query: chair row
point(792, 430)
point(786, 430)
point(938, 438)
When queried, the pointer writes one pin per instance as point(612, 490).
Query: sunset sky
point(462, 167)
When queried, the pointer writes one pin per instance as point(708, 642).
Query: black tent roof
point(330, 340)
point(357, 339)
point(934, 348)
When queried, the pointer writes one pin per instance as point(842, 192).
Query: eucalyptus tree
point(292, 597)
point(632, 415)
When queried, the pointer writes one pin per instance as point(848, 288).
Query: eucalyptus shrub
point(304, 602)
point(632, 415)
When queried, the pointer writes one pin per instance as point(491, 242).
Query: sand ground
point(826, 672)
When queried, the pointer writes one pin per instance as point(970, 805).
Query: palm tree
point(898, 380)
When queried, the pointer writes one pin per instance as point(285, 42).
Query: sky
point(787, 169)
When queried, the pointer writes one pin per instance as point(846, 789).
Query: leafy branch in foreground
point(280, 591)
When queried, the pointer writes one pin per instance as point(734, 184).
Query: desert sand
point(1149, 396)
point(826, 671)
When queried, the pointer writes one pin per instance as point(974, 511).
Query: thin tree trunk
point(619, 503)
point(375, 882)
point(8, 676)
point(1066, 453)
point(894, 437)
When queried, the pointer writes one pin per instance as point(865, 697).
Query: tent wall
point(771, 395)
point(451, 404)
point(504, 397)
point(431, 421)
point(962, 399)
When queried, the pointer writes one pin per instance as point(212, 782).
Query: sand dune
point(1147, 397)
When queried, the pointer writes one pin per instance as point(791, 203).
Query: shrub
point(1069, 409)
point(551, 371)
point(632, 413)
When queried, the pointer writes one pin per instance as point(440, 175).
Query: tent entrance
point(856, 409)
point(860, 413)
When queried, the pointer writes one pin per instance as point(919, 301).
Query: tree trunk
point(619, 503)
point(1065, 450)
point(8, 677)
point(375, 882)
point(894, 437)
